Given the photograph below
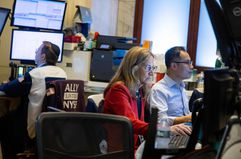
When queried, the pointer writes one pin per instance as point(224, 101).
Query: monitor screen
point(3, 18)
point(25, 43)
point(101, 66)
point(41, 14)
point(206, 40)
point(104, 64)
point(219, 101)
point(229, 46)
point(221, 87)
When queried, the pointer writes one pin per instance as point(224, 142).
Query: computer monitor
point(101, 66)
point(221, 87)
point(220, 92)
point(40, 14)
point(25, 42)
point(3, 18)
point(206, 40)
point(229, 45)
point(104, 64)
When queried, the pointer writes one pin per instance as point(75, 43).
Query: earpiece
point(134, 69)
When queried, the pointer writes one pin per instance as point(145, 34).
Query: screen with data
point(41, 14)
point(25, 43)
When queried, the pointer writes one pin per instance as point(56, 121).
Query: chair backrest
point(67, 95)
point(93, 102)
point(149, 150)
point(195, 95)
point(73, 135)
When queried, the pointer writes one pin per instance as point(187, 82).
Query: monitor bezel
point(38, 28)
point(5, 20)
point(28, 61)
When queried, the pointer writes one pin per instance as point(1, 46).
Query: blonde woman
point(125, 93)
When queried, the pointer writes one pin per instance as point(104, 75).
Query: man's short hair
point(51, 52)
point(172, 54)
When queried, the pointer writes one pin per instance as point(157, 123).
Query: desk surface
point(96, 84)
point(94, 87)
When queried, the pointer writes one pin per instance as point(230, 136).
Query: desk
point(93, 87)
point(7, 103)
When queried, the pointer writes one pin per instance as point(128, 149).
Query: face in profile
point(146, 71)
point(184, 66)
point(38, 56)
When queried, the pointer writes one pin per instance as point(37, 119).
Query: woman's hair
point(51, 52)
point(127, 71)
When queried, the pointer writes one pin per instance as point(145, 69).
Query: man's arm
point(17, 87)
point(158, 100)
point(182, 119)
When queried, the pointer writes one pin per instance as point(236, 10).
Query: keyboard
point(179, 141)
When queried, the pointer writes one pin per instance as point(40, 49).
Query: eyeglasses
point(150, 68)
point(189, 62)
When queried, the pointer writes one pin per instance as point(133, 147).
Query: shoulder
point(48, 67)
point(48, 70)
point(165, 83)
point(161, 88)
point(60, 70)
point(119, 86)
point(159, 85)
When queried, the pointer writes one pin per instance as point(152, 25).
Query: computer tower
point(101, 66)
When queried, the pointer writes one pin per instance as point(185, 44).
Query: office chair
point(195, 95)
point(149, 150)
point(83, 135)
point(67, 95)
point(93, 102)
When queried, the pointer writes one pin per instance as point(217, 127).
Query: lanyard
point(138, 100)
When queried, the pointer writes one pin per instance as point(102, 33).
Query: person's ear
point(43, 57)
point(173, 66)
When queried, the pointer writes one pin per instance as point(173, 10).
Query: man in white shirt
point(168, 94)
point(32, 89)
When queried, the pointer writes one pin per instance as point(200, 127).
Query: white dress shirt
point(170, 98)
